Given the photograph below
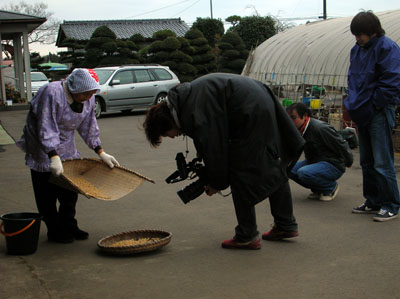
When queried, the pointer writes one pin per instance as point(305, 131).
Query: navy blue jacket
point(373, 78)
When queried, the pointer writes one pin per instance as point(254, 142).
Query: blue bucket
point(306, 101)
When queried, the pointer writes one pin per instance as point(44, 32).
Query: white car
point(126, 88)
point(38, 79)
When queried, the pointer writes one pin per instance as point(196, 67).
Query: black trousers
point(57, 220)
point(281, 209)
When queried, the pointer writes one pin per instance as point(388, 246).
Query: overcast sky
point(189, 10)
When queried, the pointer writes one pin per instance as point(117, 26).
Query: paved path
point(337, 255)
point(5, 138)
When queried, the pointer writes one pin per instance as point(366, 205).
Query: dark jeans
point(377, 161)
point(281, 209)
point(46, 196)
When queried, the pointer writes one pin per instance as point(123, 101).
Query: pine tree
point(233, 53)
point(204, 59)
point(167, 50)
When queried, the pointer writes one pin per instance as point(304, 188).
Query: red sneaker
point(232, 244)
point(276, 234)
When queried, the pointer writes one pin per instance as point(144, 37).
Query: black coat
point(243, 134)
point(323, 143)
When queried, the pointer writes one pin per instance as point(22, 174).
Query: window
point(124, 77)
point(142, 76)
point(162, 74)
point(103, 75)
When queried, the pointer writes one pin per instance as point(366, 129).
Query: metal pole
point(2, 84)
point(211, 9)
point(324, 15)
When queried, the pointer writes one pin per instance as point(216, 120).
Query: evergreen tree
point(104, 48)
point(35, 60)
point(141, 47)
point(233, 53)
point(167, 50)
point(204, 59)
point(75, 54)
point(253, 30)
point(212, 29)
point(101, 47)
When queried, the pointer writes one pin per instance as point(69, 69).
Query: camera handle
point(174, 177)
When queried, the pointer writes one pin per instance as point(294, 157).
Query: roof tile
point(83, 30)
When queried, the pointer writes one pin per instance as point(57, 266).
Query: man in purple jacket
point(57, 110)
point(374, 90)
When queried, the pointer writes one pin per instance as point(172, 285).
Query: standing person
point(327, 155)
point(374, 90)
point(58, 109)
point(246, 141)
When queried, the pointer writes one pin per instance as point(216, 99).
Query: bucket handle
point(17, 232)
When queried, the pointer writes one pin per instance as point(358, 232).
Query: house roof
point(12, 23)
point(83, 30)
point(14, 16)
point(316, 53)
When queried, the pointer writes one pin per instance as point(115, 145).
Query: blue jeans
point(377, 161)
point(320, 177)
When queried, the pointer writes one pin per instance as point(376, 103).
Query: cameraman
point(246, 140)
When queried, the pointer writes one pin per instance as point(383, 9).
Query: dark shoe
point(276, 234)
point(60, 237)
point(364, 209)
point(233, 244)
point(384, 215)
point(79, 234)
point(314, 195)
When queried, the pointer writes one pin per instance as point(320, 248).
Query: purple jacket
point(51, 124)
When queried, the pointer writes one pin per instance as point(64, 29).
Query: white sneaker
point(330, 196)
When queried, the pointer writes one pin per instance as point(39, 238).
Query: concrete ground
point(337, 255)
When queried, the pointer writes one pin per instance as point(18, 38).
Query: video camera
point(190, 170)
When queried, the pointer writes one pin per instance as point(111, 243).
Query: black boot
point(60, 237)
point(56, 232)
point(78, 234)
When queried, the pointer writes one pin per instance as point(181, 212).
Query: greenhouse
point(309, 63)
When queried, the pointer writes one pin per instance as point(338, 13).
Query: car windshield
point(103, 75)
point(38, 77)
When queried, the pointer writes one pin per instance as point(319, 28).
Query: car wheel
point(97, 108)
point(160, 98)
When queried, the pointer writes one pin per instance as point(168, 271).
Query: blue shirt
point(373, 78)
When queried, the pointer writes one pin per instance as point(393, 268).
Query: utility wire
point(145, 13)
point(177, 14)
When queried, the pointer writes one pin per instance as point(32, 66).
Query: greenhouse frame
point(310, 62)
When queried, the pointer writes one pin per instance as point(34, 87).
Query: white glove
point(108, 159)
point(56, 166)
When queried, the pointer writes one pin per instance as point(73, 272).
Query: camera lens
point(191, 191)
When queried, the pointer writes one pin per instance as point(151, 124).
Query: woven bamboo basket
point(93, 178)
point(132, 242)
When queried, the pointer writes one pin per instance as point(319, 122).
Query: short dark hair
point(301, 109)
point(157, 123)
point(366, 22)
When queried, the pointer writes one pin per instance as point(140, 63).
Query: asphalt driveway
point(337, 255)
